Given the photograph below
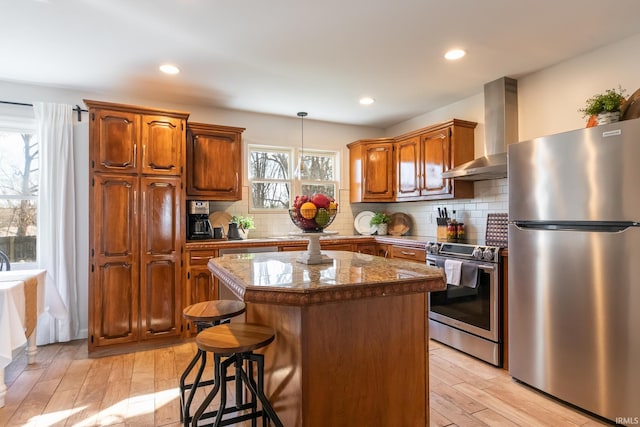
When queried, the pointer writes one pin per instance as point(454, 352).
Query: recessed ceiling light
point(169, 69)
point(454, 54)
point(367, 100)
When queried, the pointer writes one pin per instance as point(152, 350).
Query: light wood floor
point(66, 388)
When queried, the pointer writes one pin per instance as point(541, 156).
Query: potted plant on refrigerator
point(380, 220)
point(604, 106)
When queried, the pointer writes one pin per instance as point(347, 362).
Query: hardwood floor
point(66, 388)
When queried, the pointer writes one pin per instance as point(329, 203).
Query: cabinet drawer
point(412, 254)
point(201, 257)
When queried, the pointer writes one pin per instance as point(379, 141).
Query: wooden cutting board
point(631, 108)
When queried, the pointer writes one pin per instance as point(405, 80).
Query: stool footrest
point(229, 421)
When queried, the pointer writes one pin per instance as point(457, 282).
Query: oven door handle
point(485, 267)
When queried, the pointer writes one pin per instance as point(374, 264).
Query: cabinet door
point(366, 248)
point(436, 155)
point(162, 145)
point(336, 246)
point(160, 257)
point(114, 295)
point(408, 168)
point(214, 162)
point(200, 285)
point(115, 136)
point(378, 172)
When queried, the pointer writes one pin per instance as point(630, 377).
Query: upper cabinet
point(129, 141)
point(418, 161)
point(214, 162)
point(372, 170)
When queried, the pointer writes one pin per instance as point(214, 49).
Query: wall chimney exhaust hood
point(500, 129)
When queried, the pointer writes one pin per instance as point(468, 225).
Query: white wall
point(549, 99)
point(548, 103)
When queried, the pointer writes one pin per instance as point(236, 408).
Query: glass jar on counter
point(460, 237)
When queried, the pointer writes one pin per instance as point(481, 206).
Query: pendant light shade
point(299, 172)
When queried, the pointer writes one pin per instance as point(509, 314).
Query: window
point(19, 172)
point(271, 176)
point(319, 173)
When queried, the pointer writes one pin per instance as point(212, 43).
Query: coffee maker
point(198, 225)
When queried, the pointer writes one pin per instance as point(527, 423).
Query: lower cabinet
point(135, 271)
point(366, 248)
point(200, 284)
point(408, 252)
point(336, 246)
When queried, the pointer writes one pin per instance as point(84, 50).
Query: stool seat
point(213, 311)
point(232, 344)
point(203, 315)
point(235, 338)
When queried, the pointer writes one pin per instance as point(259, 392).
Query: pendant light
point(300, 166)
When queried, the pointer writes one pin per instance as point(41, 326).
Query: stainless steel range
point(467, 314)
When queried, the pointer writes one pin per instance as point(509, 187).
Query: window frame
point(20, 124)
point(295, 184)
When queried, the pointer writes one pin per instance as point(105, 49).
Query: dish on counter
point(362, 223)
point(220, 219)
point(399, 224)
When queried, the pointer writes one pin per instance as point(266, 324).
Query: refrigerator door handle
point(587, 226)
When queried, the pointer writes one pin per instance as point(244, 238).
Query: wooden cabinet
point(200, 284)
point(423, 156)
point(410, 166)
point(336, 246)
point(214, 162)
point(408, 252)
point(371, 170)
point(129, 142)
point(113, 287)
point(136, 226)
point(366, 248)
point(382, 250)
point(161, 243)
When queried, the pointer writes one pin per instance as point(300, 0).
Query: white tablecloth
point(12, 309)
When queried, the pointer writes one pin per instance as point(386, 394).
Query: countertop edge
point(304, 297)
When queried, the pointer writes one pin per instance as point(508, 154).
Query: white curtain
point(56, 241)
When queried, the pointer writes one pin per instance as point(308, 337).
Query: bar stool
point(204, 315)
point(236, 342)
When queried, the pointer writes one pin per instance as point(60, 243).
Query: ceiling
point(284, 56)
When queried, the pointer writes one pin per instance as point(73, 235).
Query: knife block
point(441, 233)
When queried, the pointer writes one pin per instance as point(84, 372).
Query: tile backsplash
point(490, 196)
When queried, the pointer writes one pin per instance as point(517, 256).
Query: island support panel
point(355, 362)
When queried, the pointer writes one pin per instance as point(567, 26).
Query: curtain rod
point(23, 104)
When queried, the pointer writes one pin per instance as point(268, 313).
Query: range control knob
point(433, 248)
point(487, 254)
point(477, 253)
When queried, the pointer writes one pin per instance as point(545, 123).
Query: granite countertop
point(293, 240)
point(277, 278)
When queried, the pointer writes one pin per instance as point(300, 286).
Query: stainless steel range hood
point(501, 128)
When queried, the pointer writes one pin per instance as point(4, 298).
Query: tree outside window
point(272, 180)
point(19, 173)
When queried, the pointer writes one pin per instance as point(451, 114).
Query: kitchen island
point(352, 339)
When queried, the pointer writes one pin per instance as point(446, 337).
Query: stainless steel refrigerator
point(574, 267)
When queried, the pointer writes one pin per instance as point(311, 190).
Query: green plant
point(609, 101)
point(244, 222)
point(379, 218)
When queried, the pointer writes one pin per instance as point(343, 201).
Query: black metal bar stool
point(204, 315)
point(235, 343)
